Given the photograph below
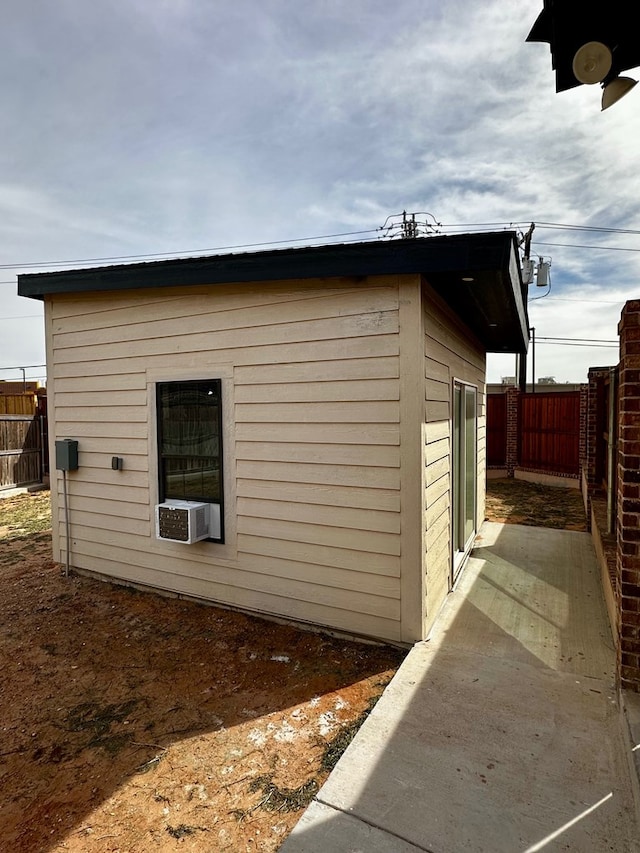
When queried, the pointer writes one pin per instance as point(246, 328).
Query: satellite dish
point(592, 62)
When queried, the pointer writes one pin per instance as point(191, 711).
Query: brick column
point(628, 520)
point(584, 401)
point(511, 460)
point(594, 421)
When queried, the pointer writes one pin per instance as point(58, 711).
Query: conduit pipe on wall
point(66, 460)
point(65, 498)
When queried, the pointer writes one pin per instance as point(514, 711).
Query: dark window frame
point(186, 388)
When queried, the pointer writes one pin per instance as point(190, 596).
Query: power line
point(594, 301)
point(571, 344)
point(24, 367)
point(23, 317)
point(580, 246)
point(564, 227)
point(602, 343)
point(554, 226)
point(186, 252)
point(452, 227)
point(582, 340)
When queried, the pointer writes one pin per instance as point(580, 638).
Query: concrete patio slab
point(332, 829)
point(502, 732)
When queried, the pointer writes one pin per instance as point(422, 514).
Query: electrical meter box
point(66, 454)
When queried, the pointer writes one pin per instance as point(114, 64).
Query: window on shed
point(190, 441)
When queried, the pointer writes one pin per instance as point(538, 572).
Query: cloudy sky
point(131, 128)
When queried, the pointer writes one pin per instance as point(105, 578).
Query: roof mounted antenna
point(407, 226)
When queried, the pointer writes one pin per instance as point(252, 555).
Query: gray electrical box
point(66, 454)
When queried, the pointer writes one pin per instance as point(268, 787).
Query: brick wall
point(511, 459)
point(584, 400)
point(594, 424)
point(628, 516)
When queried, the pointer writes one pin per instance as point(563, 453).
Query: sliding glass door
point(464, 472)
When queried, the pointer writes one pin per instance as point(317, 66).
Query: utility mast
point(527, 275)
point(409, 225)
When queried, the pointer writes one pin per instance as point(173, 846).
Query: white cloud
point(138, 127)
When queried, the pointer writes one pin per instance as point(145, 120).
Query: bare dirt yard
point(133, 723)
point(512, 501)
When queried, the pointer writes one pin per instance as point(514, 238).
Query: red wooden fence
point(548, 431)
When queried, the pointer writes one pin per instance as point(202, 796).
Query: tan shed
point(316, 414)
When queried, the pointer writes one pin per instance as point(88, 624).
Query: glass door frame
point(464, 473)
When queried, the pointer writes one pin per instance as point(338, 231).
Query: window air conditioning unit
point(182, 521)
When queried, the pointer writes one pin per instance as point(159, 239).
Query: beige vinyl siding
point(412, 571)
point(450, 352)
point(310, 376)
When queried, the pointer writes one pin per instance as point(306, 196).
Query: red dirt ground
point(514, 501)
point(134, 723)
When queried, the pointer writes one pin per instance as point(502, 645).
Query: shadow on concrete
point(502, 731)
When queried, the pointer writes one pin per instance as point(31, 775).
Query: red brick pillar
point(595, 424)
point(511, 460)
point(584, 402)
point(628, 521)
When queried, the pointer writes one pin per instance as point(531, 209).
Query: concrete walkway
point(502, 732)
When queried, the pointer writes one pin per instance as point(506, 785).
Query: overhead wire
point(580, 246)
point(374, 232)
point(24, 367)
point(565, 227)
point(573, 344)
point(375, 235)
point(581, 340)
point(594, 301)
point(181, 254)
point(23, 317)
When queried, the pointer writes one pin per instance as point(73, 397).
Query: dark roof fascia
point(490, 257)
point(422, 255)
